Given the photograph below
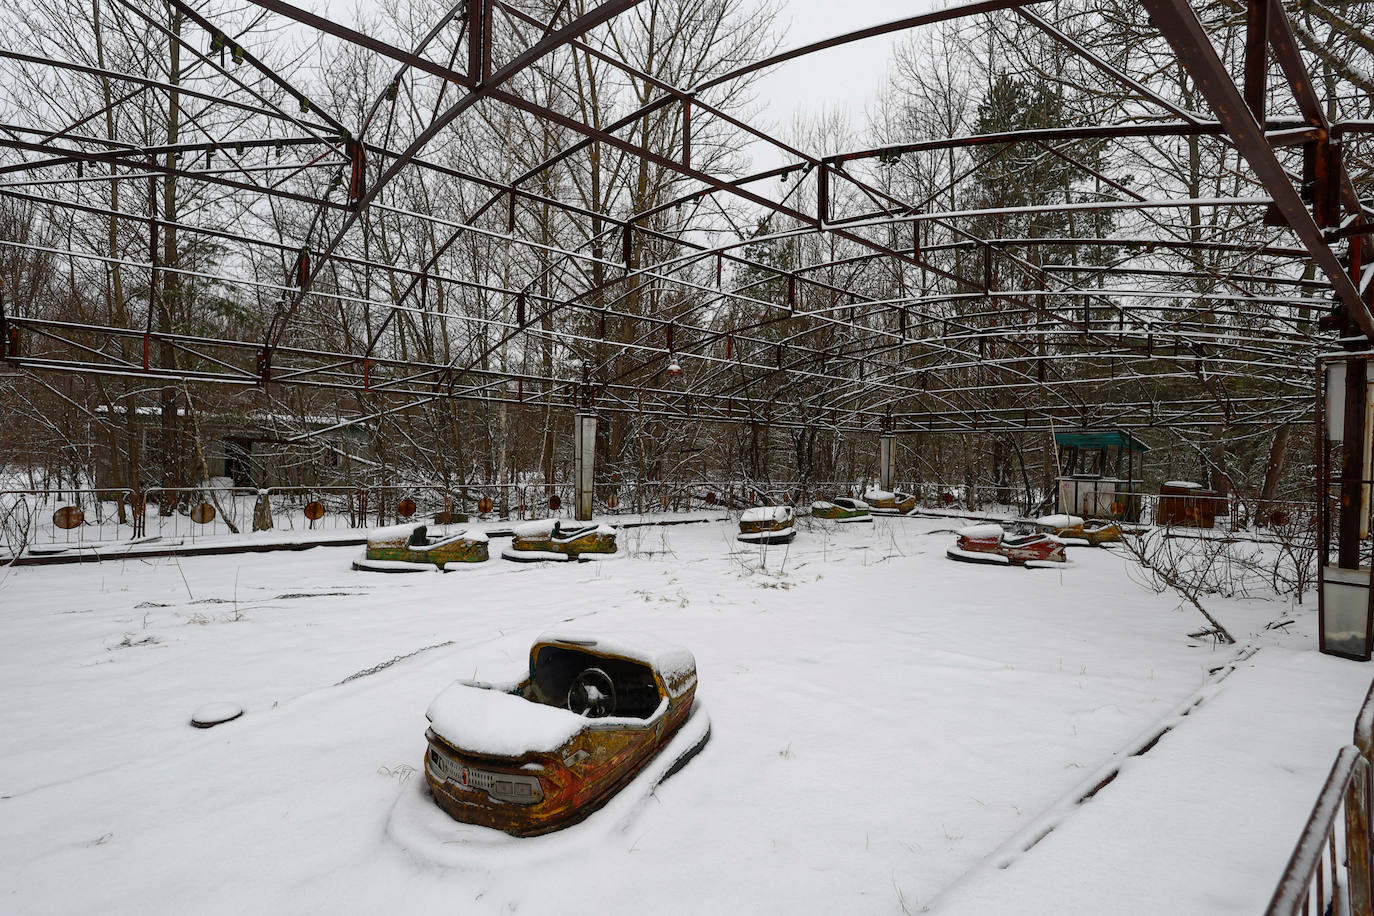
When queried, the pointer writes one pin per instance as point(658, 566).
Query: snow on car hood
point(392, 533)
point(1059, 521)
point(540, 528)
point(981, 531)
point(766, 514)
point(500, 724)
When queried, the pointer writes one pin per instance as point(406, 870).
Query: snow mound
point(873, 493)
point(981, 531)
point(501, 724)
point(1059, 521)
point(212, 714)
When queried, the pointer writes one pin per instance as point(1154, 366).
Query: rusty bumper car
point(408, 548)
point(767, 525)
point(1075, 532)
point(536, 755)
point(990, 544)
point(1099, 533)
point(557, 541)
point(842, 509)
point(889, 502)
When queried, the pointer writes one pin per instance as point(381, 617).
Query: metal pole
point(886, 464)
point(584, 464)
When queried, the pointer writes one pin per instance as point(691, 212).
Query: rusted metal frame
point(911, 22)
point(944, 15)
point(139, 154)
point(1177, 411)
point(1144, 243)
point(1257, 56)
point(260, 67)
point(121, 76)
point(192, 14)
point(1115, 72)
point(1185, 34)
point(1232, 367)
point(598, 16)
point(707, 252)
point(722, 408)
point(186, 71)
point(1122, 268)
point(1045, 134)
point(362, 40)
point(1285, 49)
point(740, 332)
point(346, 297)
point(37, 329)
point(576, 301)
point(671, 164)
point(299, 376)
point(352, 261)
point(1122, 188)
point(1290, 897)
point(162, 169)
point(1013, 387)
point(341, 297)
point(725, 365)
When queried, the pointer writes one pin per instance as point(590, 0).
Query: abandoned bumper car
point(1075, 532)
point(407, 548)
point(767, 525)
point(842, 509)
point(991, 545)
point(889, 502)
point(545, 752)
point(551, 539)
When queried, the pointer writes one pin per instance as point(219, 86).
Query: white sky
point(848, 77)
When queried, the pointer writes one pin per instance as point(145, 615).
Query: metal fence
point(78, 516)
point(1330, 870)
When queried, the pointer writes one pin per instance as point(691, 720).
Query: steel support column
point(887, 463)
point(584, 464)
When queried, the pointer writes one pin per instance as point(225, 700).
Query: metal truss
point(817, 292)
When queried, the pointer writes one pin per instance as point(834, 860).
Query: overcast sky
point(848, 77)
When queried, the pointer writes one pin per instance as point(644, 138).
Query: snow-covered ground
point(886, 725)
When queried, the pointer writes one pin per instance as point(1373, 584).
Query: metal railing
point(1330, 870)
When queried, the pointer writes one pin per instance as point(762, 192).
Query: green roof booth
point(1101, 473)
